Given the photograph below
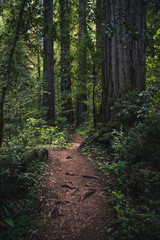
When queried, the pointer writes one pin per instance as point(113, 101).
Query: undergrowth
point(36, 132)
point(84, 129)
point(127, 152)
point(20, 178)
point(22, 162)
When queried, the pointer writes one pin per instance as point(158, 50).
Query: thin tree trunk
point(38, 65)
point(48, 60)
point(94, 94)
point(81, 107)
point(7, 79)
point(65, 60)
point(98, 59)
point(40, 92)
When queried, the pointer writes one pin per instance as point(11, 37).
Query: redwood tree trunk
point(82, 91)
point(65, 60)
point(123, 50)
point(98, 63)
point(48, 60)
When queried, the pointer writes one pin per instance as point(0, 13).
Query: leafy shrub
point(141, 141)
point(133, 107)
point(129, 157)
point(19, 183)
point(37, 132)
point(21, 166)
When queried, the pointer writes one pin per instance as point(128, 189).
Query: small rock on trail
point(74, 206)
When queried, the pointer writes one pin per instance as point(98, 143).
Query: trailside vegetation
point(127, 152)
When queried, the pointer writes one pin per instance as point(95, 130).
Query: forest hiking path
point(73, 205)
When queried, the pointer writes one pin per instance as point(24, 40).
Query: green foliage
point(37, 132)
point(153, 63)
point(20, 178)
point(84, 129)
point(128, 153)
point(21, 173)
point(153, 16)
point(139, 137)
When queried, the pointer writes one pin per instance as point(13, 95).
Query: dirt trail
point(72, 203)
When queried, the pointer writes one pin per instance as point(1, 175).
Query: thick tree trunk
point(65, 60)
point(82, 91)
point(48, 60)
point(123, 50)
point(7, 79)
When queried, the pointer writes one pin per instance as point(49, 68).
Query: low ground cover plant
point(129, 156)
point(22, 163)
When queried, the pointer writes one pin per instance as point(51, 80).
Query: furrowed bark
point(48, 61)
point(123, 50)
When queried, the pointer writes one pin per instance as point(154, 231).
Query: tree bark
point(123, 50)
point(94, 96)
point(7, 79)
point(48, 60)
point(98, 61)
point(81, 107)
point(66, 60)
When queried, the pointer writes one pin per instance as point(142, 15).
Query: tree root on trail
point(87, 194)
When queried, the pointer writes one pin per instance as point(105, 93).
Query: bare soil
point(72, 202)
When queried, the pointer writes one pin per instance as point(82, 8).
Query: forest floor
point(72, 202)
